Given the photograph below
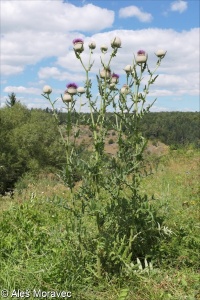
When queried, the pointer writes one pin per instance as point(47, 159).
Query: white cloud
point(176, 85)
point(22, 90)
point(179, 6)
point(33, 30)
point(10, 70)
point(134, 11)
point(55, 73)
point(27, 41)
point(177, 68)
point(179, 74)
point(53, 16)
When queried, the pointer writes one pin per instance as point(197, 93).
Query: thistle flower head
point(78, 45)
point(115, 76)
point(141, 52)
point(72, 88)
point(72, 85)
point(141, 57)
point(78, 40)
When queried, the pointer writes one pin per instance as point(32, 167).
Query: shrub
point(28, 143)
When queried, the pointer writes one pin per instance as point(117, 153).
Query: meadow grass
point(38, 250)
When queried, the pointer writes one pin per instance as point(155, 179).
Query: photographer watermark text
point(36, 293)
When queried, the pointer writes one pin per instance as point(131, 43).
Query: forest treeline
point(176, 129)
point(29, 140)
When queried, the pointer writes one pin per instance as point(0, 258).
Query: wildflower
point(116, 42)
point(141, 52)
point(72, 88)
point(128, 69)
point(81, 90)
point(75, 41)
point(47, 89)
point(78, 45)
point(67, 97)
point(125, 89)
point(115, 78)
point(104, 48)
point(92, 45)
point(141, 57)
point(160, 53)
point(105, 73)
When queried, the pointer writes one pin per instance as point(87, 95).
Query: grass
point(39, 252)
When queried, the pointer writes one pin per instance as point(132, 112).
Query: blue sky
point(36, 46)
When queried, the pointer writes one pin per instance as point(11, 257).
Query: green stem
point(56, 119)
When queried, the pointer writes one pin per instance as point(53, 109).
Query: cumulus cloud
point(134, 11)
point(10, 70)
point(55, 73)
point(34, 30)
point(179, 6)
point(53, 16)
point(177, 69)
point(22, 90)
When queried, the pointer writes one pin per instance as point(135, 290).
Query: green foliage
point(33, 237)
point(177, 129)
point(44, 246)
point(12, 100)
point(28, 143)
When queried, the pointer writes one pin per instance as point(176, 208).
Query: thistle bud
point(160, 53)
point(92, 45)
point(81, 90)
point(105, 73)
point(104, 48)
point(116, 42)
point(125, 89)
point(67, 97)
point(128, 69)
point(112, 86)
point(47, 89)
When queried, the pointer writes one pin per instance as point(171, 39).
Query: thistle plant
point(124, 221)
point(70, 134)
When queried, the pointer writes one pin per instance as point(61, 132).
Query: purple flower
point(72, 85)
point(115, 75)
point(141, 52)
point(77, 41)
